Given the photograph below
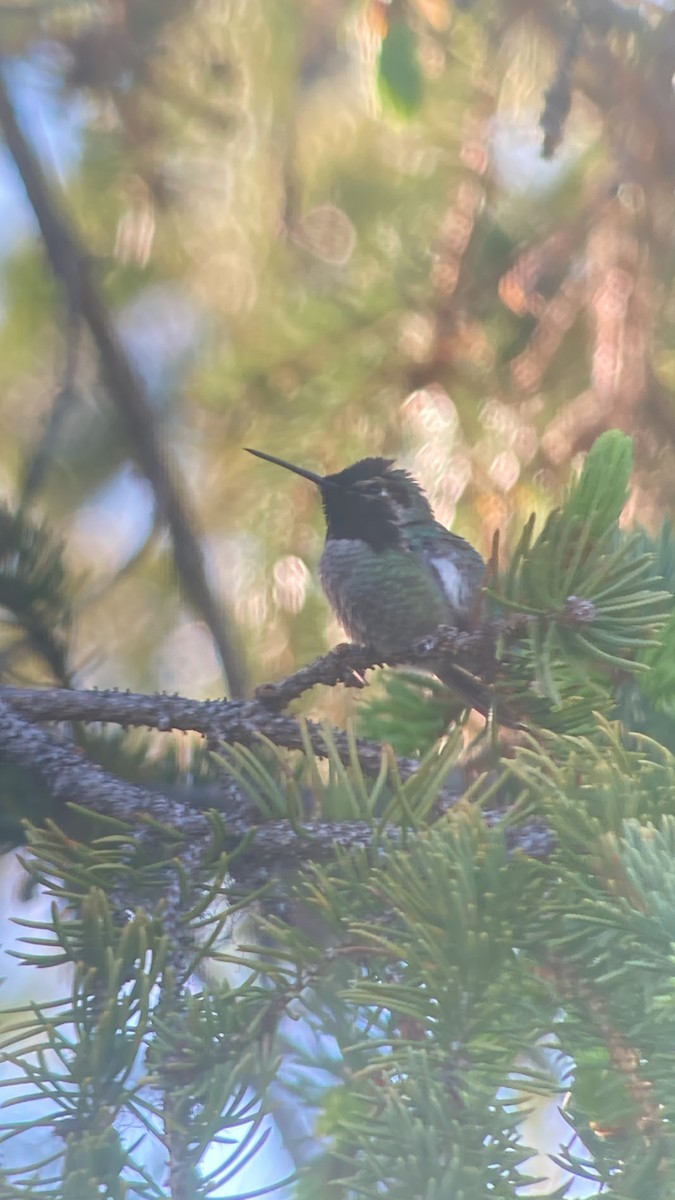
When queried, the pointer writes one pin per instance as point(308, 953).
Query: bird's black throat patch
point(353, 516)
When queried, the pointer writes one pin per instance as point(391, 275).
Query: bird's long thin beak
point(319, 480)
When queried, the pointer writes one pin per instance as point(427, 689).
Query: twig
point(558, 97)
point(345, 664)
point(348, 662)
point(72, 266)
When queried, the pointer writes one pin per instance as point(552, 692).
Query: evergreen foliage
point(593, 604)
point(113, 1056)
point(431, 960)
point(35, 601)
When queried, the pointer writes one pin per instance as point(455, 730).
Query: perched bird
point(391, 572)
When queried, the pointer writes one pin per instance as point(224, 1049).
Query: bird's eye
point(372, 490)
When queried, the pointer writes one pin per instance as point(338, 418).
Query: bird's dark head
point(370, 501)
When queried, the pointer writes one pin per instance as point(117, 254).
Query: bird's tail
point(474, 693)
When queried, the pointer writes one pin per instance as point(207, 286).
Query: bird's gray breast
point(387, 599)
point(346, 573)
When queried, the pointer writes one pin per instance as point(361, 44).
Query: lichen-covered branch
point(219, 721)
point(72, 778)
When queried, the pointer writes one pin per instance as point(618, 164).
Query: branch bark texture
point(72, 777)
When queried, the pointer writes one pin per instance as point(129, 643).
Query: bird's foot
point(351, 675)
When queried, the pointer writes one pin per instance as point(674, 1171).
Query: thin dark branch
point(72, 266)
point(348, 662)
point(609, 81)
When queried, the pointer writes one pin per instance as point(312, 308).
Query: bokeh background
point(441, 232)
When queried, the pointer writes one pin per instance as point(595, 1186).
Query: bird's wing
point(455, 564)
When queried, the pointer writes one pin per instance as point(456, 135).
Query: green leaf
point(399, 76)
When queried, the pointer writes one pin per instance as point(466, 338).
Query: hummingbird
point(391, 572)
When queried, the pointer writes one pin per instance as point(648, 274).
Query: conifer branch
point(347, 662)
point(244, 720)
point(72, 778)
point(32, 588)
point(626, 1058)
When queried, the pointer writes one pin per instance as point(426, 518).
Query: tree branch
point(348, 662)
point(71, 265)
point(246, 721)
point(73, 779)
point(242, 721)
